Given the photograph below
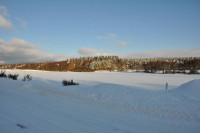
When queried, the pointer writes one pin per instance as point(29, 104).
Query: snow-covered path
point(99, 104)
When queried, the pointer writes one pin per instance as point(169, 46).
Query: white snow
point(190, 89)
point(108, 102)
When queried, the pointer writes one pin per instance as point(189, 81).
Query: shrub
point(3, 74)
point(69, 82)
point(13, 76)
point(27, 77)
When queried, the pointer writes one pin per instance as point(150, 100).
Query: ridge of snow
point(190, 89)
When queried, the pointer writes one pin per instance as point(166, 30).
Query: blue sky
point(104, 26)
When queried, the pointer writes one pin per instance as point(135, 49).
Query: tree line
point(187, 65)
point(89, 64)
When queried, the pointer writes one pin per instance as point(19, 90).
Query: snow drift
point(190, 89)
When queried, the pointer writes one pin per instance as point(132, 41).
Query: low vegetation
point(10, 76)
point(3, 74)
point(13, 76)
point(27, 78)
point(69, 82)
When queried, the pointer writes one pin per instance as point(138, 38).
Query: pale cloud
point(19, 51)
point(108, 36)
point(2, 62)
point(113, 37)
point(122, 43)
point(88, 52)
point(162, 53)
point(146, 54)
point(99, 37)
point(3, 11)
point(4, 22)
point(62, 57)
point(22, 22)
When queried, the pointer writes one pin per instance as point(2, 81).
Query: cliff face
point(84, 64)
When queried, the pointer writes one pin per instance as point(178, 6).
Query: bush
point(69, 82)
point(27, 77)
point(13, 76)
point(3, 74)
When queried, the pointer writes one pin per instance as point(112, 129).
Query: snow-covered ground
point(104, 102)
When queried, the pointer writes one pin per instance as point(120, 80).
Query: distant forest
point(88, 64)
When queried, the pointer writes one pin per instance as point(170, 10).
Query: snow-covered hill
point(103, 102)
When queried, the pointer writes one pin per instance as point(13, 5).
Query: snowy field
point(104, 102)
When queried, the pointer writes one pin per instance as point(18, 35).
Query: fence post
point(166, 88)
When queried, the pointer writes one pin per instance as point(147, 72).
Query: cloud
point(3, 11)
point(19, 51)
point(88, 52)
point(22, 22)
point(62, 57)
point(108, 36)
point(112, 37)
point(162, 53)
point(122, 43)
point(99, 37)
point(4, 23)
point(2, 62)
